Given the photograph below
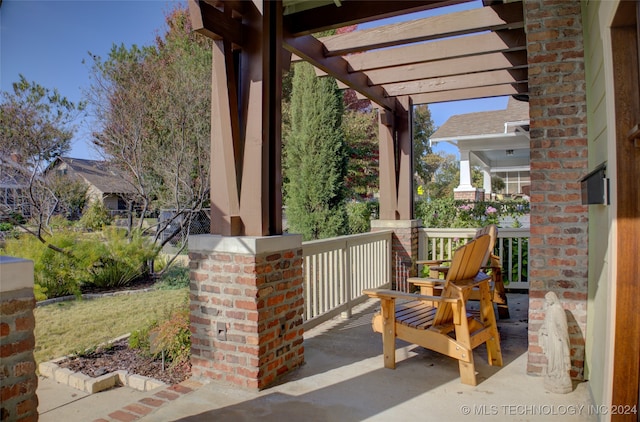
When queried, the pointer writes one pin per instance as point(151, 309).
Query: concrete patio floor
point(343, 379)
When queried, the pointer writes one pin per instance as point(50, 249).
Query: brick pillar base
point(404, 244)
point(246, 308)
point(469, 195)
point(18, 380)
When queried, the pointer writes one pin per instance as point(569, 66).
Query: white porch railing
point(336, 271)
point(511, 246)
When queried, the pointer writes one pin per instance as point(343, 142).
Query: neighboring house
point(497, 141)
point(105, 182)
point(13, 185)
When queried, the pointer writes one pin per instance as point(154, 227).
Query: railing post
point(347, 280)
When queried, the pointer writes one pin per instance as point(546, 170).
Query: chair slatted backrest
point(492, 231)
point(465, 265)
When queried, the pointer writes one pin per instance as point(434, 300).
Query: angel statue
point(554, 339)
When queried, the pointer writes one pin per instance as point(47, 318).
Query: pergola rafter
point(492, 18)
point(470, 54)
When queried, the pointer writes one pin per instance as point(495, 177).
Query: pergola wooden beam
point(470, 93)
point(353, 12)
point(457, 66)
point(215, 24)
point(470, 45)
point(504, 16)
point(447, 83)
point(312, 51)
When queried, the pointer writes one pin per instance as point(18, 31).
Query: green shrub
point(175, 277)
point(122, 259)
point(452, 213)
point(56, 273)
point(8, 231)
point(359, 216)
point(171, 335)
point(95, 217)
point(139, 339)
point(110, 260)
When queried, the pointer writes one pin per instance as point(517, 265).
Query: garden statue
point(554, 339)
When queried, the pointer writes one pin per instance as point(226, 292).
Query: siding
point(599, 309)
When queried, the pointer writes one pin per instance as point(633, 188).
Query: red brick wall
point(404, 244)
point(558, 247)
point(18, 381)
point(469, 195)
point(246, 316)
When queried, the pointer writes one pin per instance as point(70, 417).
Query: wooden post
point(246, 144)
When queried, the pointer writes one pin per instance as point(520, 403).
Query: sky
point(47, 41)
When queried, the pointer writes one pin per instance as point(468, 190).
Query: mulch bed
point(119, 356)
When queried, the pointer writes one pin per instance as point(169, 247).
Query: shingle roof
point(483, 122)
point(101, 174)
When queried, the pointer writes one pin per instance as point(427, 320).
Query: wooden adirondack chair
point(446, 328)
point(492, 262)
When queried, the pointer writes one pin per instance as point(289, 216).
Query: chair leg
point(488, 319)
point(468, 372)
point(467, 369)
point(500, 296)
point(388, 333)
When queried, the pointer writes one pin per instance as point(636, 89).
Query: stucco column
point(486, 179)
point(465, 172)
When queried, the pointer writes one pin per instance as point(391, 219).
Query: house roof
point(101, 174)
point(484, 122)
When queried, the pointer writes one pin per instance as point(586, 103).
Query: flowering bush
point(460, 214)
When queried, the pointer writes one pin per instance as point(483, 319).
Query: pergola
point(474, 53)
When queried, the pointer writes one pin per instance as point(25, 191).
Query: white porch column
point(486, 180)
point(465, 172)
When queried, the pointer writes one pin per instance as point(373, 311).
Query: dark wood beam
point(470, 45)
point(312, 51)
point(457, 66)
point(447, 83)
point(214, 23)
point(353, 12)
point(470, 93)
point(505, 16)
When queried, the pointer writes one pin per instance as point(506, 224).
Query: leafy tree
point(152, 105)
point(72, 196)
point(361, 138)
point(36, 126)
point(425, 163)
point(315, 157)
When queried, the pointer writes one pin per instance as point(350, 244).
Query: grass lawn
point(68, 327)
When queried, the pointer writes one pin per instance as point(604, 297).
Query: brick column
point(247, 307)
point(404, 243)
point(18, 381)
point(558, 246)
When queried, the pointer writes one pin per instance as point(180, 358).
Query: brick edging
point(147, 405)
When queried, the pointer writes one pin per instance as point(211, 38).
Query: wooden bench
point(446, 328)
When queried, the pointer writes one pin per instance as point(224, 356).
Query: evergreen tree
point(425, 162)
point(315, 157)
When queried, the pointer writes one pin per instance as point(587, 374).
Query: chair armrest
point(432, 261)
point(393, 294)
point(426, 282)
point(472, 282)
